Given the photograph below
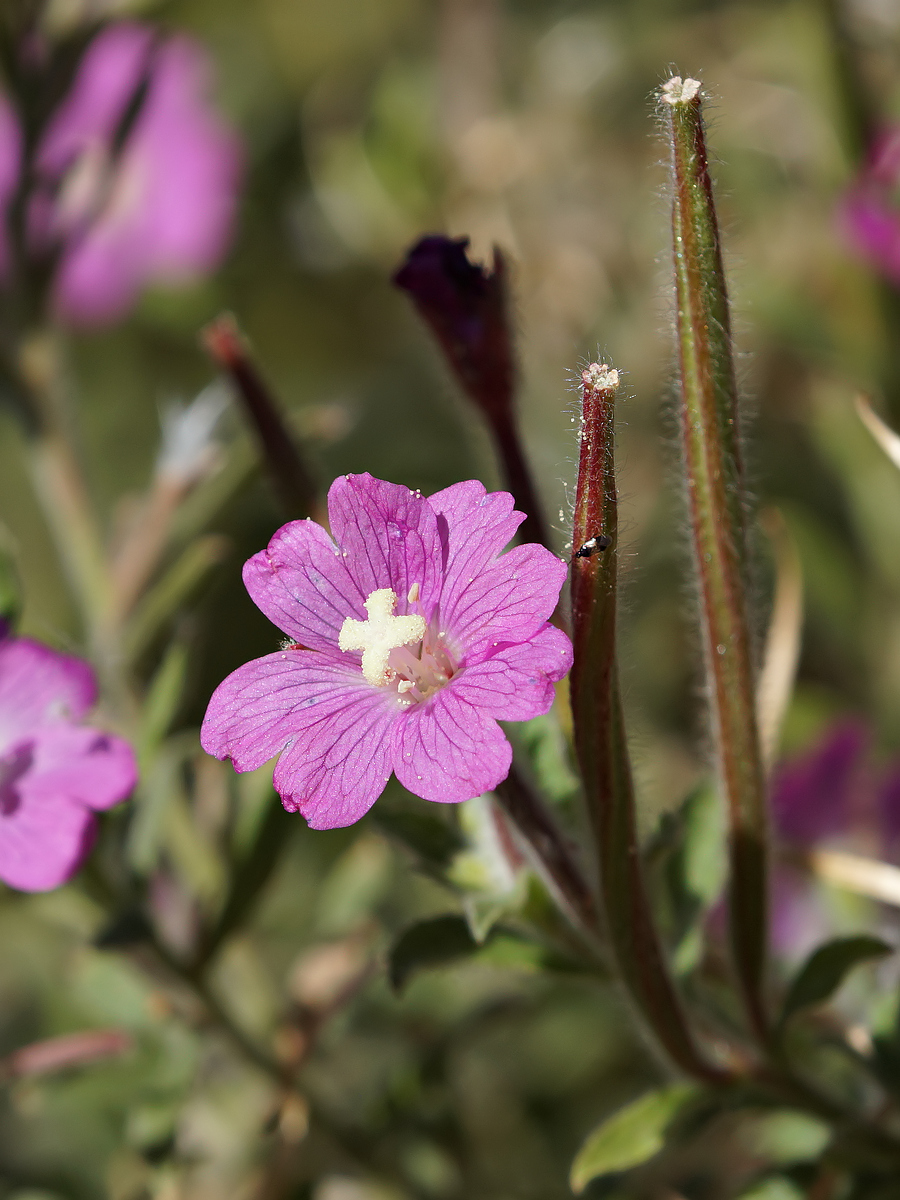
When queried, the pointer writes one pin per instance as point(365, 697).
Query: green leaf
point(10, 584)
point(162, 701)
point(430, 943)
point(434, 840)
point(824, 971)
point(775, 1188)
point(630, 1136)
point(786, 1136)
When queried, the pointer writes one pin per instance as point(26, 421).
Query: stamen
point(413, 595)
point(380, 634)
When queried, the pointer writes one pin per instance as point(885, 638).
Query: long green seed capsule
point(717, 509)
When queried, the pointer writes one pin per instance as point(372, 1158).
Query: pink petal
point(108, 77)
point(508, 602)
point(390, 538)
point(37, 686)
point(336, 769)
point(80, 764)
point(287, 697)
point(300, 581)
point(448, 749)
point(43, 842)
point(170, 210)
point(191, 162)
point(476, 526)
point(516, 683)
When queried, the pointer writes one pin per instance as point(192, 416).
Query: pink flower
point(870, 211)
point(135, 175)
point(53, 770)
point(812, 796)
point(411, 639)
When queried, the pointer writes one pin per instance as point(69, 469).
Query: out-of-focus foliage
point(527, 123)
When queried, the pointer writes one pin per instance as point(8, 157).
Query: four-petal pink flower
point(411, 637)
point(54, 771)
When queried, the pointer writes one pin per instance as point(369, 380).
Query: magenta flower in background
point(54, 771)
point(135, 176)
point(410, 640)
point(870, 211)
point(812, 796)
point(831, 795)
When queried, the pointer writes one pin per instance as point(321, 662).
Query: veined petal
point(507, 602)
point(475, 525)
point(79, 764)
point(301, 582)
point(38, 686)
point(42, 843)
point(338, 767)
point(448, 749)
point(272, 702)
point(389, 537)
point(516, 683)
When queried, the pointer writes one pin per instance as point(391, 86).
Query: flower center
point(399, 652)
point(380, 634)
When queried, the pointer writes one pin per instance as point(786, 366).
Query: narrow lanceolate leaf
point(827, 967)
point(600, 732)
point(432, 943)
point(629, 1137)
point(712, 463)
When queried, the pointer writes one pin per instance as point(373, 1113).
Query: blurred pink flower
point(829, 795)
point(135, 175)
point(411, 640)
point(54, 771)
point(870, 211)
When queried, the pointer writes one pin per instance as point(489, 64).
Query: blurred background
point(529, 124)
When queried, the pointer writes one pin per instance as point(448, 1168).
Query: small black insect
point(601, 542)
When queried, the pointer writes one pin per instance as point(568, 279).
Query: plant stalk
point(600, 739)
point(716, 501)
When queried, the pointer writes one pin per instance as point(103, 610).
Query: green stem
point(555, 858)
point(713, 471)
point(249, 877)
point(600, 738)
point(59, 486)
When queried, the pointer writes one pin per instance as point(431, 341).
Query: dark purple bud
point(467, 310)
point(466, 307)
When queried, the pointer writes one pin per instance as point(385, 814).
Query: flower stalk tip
point(290, 476)
point(716, 495)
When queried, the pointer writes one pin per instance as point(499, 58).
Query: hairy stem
point(600, 734)
point(554, 856)
point(716, 500)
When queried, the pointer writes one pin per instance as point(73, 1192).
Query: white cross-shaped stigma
point(380, 634)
